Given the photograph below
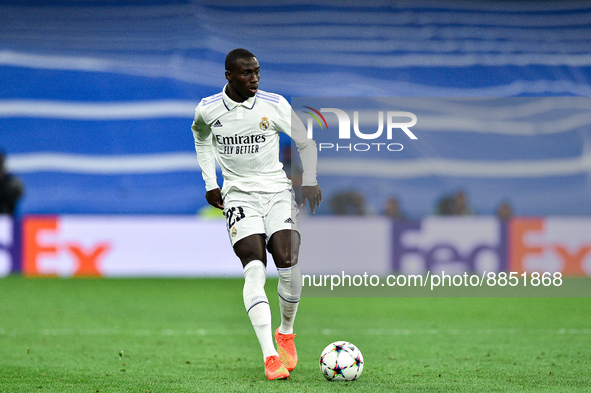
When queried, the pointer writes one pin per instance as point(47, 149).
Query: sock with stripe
point(257, 305)
point(289, 291)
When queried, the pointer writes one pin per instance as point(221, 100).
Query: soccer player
point(239, 128)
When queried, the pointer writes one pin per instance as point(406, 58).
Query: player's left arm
point(291, 124)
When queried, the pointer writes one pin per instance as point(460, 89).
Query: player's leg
point(251, 251)
point(284, 246)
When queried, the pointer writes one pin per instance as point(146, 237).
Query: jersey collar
point(231, 104)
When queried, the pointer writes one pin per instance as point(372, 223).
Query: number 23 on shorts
point(233, 215)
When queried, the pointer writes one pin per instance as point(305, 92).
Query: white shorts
point(251, 213)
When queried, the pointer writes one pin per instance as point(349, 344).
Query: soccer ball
point(342, 361)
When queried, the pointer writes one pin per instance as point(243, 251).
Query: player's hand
point(214, 198)
point(314, 196)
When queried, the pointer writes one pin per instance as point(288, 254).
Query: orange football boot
point(274, 369)
point(287, 350)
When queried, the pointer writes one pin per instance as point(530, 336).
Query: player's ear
point(228, 75)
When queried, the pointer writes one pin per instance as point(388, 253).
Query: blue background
point(119, 52)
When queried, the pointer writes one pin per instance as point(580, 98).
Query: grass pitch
point(193, 335)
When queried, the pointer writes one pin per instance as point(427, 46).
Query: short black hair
point(235, 54)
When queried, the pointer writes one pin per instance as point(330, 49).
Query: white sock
point(290, 291)
point(257, 305)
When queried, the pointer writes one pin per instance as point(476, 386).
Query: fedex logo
point(454, 245)
point(48, 250)
point(552, 244)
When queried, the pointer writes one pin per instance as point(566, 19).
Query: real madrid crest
point(234, 232)
point(264, 124)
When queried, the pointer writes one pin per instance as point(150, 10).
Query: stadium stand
point(97, 97)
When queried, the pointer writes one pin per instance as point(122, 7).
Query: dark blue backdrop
point(97, 97)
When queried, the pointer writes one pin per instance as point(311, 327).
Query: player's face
point(244, 77)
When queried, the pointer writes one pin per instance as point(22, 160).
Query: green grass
point(185, 335)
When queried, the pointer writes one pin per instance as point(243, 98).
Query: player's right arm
point(206, 158)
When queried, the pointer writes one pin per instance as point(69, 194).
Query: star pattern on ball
point(338, 348)
point(338, 370)
point(358, 362)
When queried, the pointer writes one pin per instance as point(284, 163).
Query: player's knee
point(284, 247)
point(249, 257)
point(285, 260)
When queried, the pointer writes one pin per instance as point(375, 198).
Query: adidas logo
point(288, 221)
point(217, 123)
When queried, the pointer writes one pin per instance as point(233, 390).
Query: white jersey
point(244, 138)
